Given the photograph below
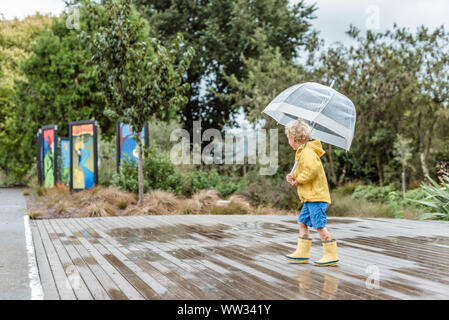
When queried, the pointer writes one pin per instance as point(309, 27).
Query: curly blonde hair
point(298, 130)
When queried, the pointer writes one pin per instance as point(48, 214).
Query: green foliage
point(347, 189)
point(58, 85)
point(437, 199)
point(346, 206)
point(373, 193)
point(160, 173)
point(413, 196)
point(16, 37)
point(394, 198)
point(222, 32)
point(140, 77)
point(271, 193)
point(127, 179)
point(201, 180)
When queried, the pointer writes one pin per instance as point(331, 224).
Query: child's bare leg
point(324, 234)
point(303, 230)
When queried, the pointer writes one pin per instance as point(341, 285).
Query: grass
point(37, 213)
point(112, 201)
point(345, 206)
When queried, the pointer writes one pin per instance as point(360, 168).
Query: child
point(313, 191)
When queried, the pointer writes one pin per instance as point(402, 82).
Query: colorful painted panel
point(64, 147)
point(83, 155)
point(49, 156)
point(39, 157)
point(126, 144)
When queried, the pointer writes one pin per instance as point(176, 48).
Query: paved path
point(14, 268)
point(237, 257)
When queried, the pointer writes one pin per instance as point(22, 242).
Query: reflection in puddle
point(333, 220)
point(167, 233)
point(329, 287)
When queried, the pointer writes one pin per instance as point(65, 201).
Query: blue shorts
point(313, 214)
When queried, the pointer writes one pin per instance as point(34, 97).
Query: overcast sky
point(333, 16)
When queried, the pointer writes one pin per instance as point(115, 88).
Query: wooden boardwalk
point(237, 257)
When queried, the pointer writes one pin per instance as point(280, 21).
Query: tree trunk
point(342, 176)
point(333, 176)
point(424, 147)
point(140, 172)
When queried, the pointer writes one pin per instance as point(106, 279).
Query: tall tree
point(140, 77)
point(398, 80)
point(16, 37)
point(222, 32)
point(58, 86)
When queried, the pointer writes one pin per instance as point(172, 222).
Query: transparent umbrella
point(330, 114)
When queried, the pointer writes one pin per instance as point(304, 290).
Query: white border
point(33, 273)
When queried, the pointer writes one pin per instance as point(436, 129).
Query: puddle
point(117, 294)
point(53, 236)
point(90, 260)
point(332, 220)
point(167, 233)
point(420, 250)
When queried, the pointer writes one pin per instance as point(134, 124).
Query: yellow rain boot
point(302, 251)
point(330, 257)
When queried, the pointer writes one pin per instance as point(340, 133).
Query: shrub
point(437, 199)
point(373, 193)
point(206, 180)
point(413, 196)
point(127, 179)
point(269, 193)
point(395, 199)
point(347, 189)
point(346, 206)
point(158, 173)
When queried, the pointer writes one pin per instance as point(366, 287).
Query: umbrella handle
point(294, 168)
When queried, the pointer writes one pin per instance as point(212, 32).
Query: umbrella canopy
point(330, 114)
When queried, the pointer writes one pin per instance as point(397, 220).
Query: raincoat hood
point(315, 145)
point(310, 175)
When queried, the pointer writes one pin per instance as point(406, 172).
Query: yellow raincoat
point(312, 183)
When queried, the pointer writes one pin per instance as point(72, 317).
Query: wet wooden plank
point(61, 280)
point(199, 282)
point(94, 286)
point(70, 268)
point(45, 273)
point(242, 257)
point(104, 284)
point(354, 260)
point(273, 263)
point(229, 261)
point(98, 252)
point(229, 284)
point(143, 282)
